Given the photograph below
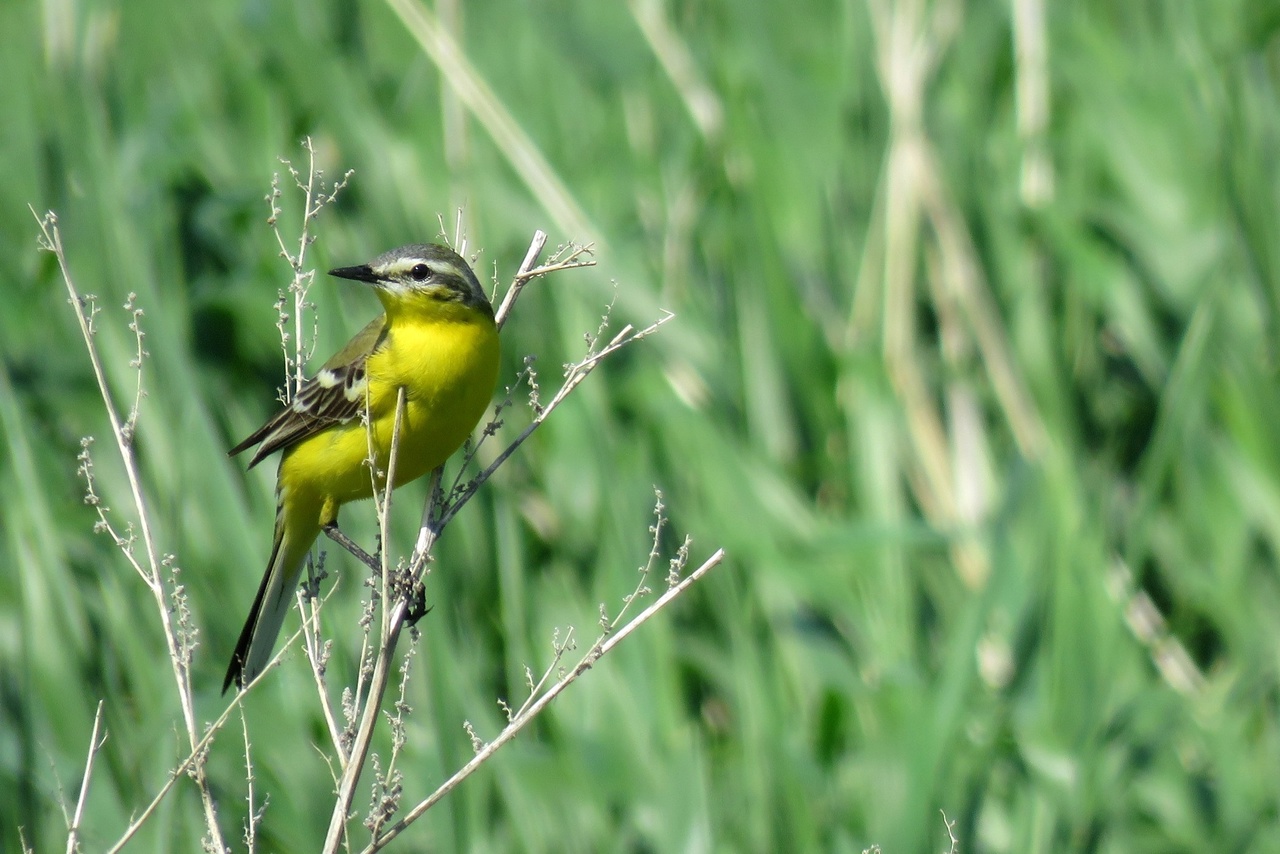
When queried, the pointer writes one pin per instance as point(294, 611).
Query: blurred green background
point(973, 374)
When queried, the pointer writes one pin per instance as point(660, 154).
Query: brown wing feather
point(333, 396)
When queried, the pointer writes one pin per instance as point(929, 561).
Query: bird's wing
point(334, 395)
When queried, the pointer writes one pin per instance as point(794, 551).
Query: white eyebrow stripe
point(403, 266)
point(447, 268)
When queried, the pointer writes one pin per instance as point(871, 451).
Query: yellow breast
point(448, 367)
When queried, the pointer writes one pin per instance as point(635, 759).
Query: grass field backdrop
point(973, 374)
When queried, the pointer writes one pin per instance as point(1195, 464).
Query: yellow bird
point(437, 340)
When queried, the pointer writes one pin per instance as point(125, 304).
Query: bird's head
point(421, 276)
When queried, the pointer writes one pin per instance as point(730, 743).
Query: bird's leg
point(333, 532)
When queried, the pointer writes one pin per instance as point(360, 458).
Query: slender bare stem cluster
point(298, 345)
point(603, 645)
point(157, 571)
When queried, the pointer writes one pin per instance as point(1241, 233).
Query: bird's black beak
point(359, 273)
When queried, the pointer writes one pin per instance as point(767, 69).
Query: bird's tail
point(294, 535)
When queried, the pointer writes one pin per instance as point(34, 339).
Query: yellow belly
point(448, 369)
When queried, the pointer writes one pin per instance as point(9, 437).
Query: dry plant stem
point(251, 827)
point(315, 198)
point(151, 574)
point(642, 585)
point(73, 832)
point(364, 735)
point(528, 272)
point(535, 249)
point(384, 507)
point(1031, 52)
point(387, 784)
point(199, 749)
point(535, 690)
point(919, 215)
point(386, 648)
point(459, 239)
point(951, 833)
point(601, 648)
point(301, 280)
point(313, 642)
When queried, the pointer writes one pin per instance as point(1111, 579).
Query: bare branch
point(317, 649)
point(566, 258)
point(574, 375)
point(599, 649)
point(254, 819)
point(95, 744)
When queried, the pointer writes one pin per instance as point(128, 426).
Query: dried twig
point(600, 648)
point(95, 744)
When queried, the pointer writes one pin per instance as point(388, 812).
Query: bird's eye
point(420, 272)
